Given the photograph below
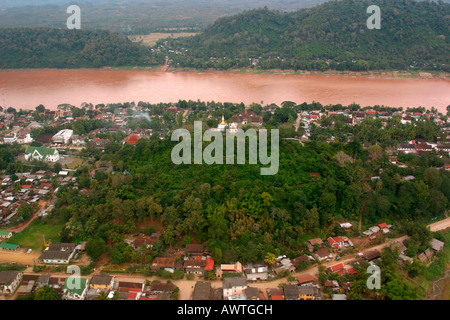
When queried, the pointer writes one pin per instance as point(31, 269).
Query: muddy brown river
point(28, 88)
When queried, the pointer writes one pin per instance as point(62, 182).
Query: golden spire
point(223, 119)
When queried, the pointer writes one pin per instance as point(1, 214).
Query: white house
point(77, 140)
point(42, 154)
point(5, 234)
point(58, 253)
point(10, 138)
point(75, 288)
point(256, 273)
point(63, 136)
point(24, 138)
point(233, 286)
point(10, 281)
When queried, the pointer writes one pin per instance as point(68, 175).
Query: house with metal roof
point(5, 234)
point(10, 281)
point(58, 253)
point(9, 246)
point(75, 288)
point(41, 154)
point(436, 244)
point(233, 286)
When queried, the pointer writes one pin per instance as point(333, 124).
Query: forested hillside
point(333, 34)
point(134, 16)
point(63, 48)
point(413, 35)
point(240, 214)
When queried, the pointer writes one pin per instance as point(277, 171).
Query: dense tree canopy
point(63, 48)
point(236, 211)
point(332, 35)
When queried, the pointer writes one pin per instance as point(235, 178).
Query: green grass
point(75, 163)
point(434, 272)
point(12, 266)
point(123, 68)
point(32, 236)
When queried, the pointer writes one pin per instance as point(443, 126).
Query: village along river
point(26, 89)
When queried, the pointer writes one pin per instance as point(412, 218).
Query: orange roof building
point(132, 139)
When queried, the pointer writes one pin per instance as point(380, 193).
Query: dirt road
point(440, 225)
point(436, 289)
point(20, 227)
point(19, 257)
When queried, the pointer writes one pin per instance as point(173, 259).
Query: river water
point(28, 88)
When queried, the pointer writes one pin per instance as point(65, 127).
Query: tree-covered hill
point(64, 48)
point(412, 34)
point(237, 211)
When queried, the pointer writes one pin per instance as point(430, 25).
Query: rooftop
point(229, 283)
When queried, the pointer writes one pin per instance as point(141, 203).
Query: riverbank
point(384, 74)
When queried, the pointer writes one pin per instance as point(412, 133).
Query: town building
point(42, 154)
point(63, 136)
point(102, 282)
point(233, 286)
point(75, 288)
point(10, 281)
point(58, 253)
point(230, 268)
point(5, 234)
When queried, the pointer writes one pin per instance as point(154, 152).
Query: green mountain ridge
point(412, 34)
point(62, 48)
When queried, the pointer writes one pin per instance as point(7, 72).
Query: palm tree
point(103, 296)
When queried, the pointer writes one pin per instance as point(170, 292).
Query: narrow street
point(20, 227)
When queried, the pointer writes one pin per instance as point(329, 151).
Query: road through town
point(187, 286)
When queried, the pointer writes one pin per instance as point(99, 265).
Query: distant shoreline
point(368, 74)
point(386, 74)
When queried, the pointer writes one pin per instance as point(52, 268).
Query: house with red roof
point(132, 139)
point(383, 225)
point(195, 265)
point(209, 264)
point(173, 109)
point(305, 279)
point(341, 272)
point(275, 293)
point(336, 267)
point(339, 242)
point(351, 270)
point(165, 263)
point(130, 290)
point(340, 269)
